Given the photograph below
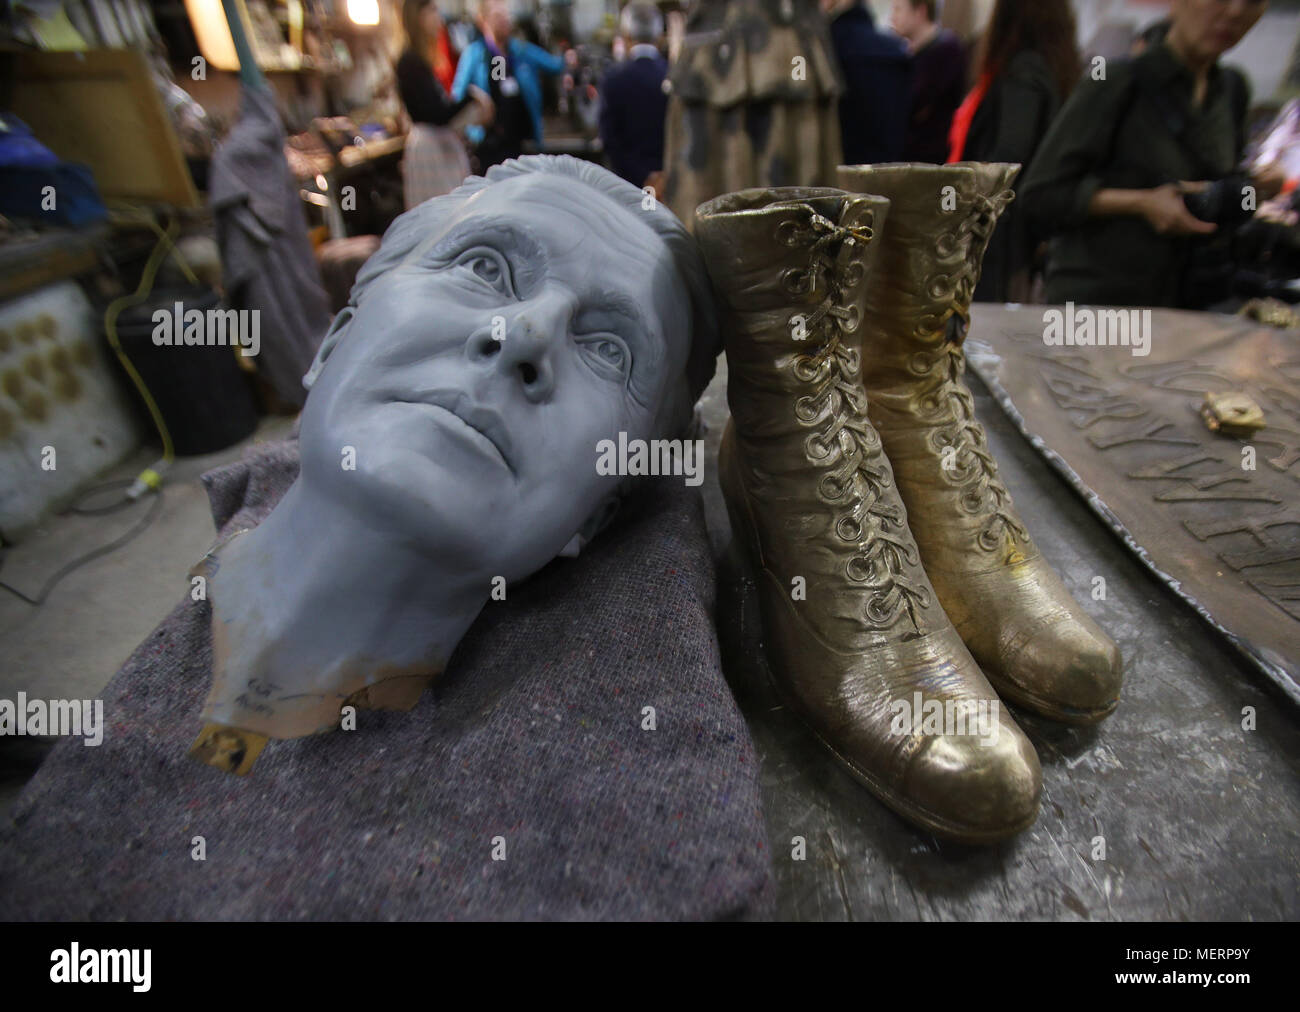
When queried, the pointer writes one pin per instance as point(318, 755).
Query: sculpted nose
point(521, 346)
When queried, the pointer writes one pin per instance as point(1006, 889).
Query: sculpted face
point(473, 380)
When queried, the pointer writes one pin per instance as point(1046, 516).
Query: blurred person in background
point(633, 103)
point(515, 89)
point(1028, 64)
point(434, 160)
point(1137, 178)
point(938, 78)
point(1152, 35)
point(753, 101)
point(877, 73)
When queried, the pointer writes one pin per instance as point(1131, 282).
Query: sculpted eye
point(610, 352)
point(609, 355)
point(489, 267)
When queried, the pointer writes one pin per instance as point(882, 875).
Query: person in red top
point(441, 56)
point(1029, 63)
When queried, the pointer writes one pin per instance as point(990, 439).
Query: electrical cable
point(151, 514)
point(150, 478)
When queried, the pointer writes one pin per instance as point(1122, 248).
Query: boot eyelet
point(920, 364)
point(859, 569)
point(880, 610)
point(787, 233)
point(830, 489)
point(933, 405)
point(797, 281)
point(815, 448)
point(806, 409)
point(849, 529)
point(807, 369)
point(853, 274)
point(850, 324)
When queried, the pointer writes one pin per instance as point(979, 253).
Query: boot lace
point(843, 441)
point(960, 441)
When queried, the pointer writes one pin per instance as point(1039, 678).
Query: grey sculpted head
point(450, 439)
point(499, 333)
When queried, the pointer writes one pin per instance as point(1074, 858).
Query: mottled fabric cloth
point(753, 101)
point(531, 743)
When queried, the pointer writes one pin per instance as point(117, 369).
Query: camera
point(1222, 202)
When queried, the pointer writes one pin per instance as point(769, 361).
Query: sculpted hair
point(408, 230)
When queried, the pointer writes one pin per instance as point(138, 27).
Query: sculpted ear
point(335, 334)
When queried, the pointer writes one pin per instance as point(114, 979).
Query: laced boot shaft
point(811, 494)
point(1035, 643)
point(917, 318)
point(801, 420)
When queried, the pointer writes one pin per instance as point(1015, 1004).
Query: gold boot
point(1037, 646)
point(852, 627)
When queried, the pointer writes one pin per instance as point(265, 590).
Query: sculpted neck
point(318, 603)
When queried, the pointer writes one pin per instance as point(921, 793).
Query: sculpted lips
point(482, 420)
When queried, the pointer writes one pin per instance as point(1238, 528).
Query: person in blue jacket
point(508, 69)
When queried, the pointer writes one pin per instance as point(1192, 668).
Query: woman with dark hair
point(435, 160)
point(1139, 181)
point(1028, 62)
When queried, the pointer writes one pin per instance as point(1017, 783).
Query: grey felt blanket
point(531, 744)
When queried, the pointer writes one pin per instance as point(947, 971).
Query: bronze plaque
point(1216, 517)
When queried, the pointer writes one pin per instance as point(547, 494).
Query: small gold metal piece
point(228, 748)
point(1232, 413)
point(1272, 312)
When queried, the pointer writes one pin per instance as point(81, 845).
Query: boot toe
point(1073, 672)
point(977, 790)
